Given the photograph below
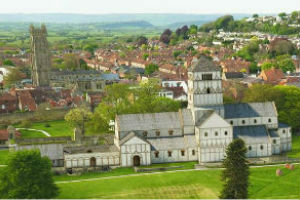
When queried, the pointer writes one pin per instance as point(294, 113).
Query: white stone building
point(199, 133)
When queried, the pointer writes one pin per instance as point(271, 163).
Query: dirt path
point(31, 129)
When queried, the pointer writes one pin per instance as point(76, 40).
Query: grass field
point(31, 134)
point(56, 128)
point(185, 184)
point(3, 156)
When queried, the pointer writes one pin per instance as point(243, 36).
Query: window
point(208, 90)
point(206, 76)
point(225, 133)
point(283, 131)
point(170, 153)
point(182, 152)
point(261, 147)
point(255, 121)
point(269, 120)
point(249, 148)
point(193, 152)
point(243, 121)
point(145, 133)
point(274, 141)
point(205, 134)
point(157, 133)
point(170, 132)
point(216, 133)
point(231, 122)
point(156, 153)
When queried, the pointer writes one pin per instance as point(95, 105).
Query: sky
point(148, 6)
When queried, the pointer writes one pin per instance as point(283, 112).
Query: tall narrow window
point(156, 154)
point(170, 153)
point(208, 90)
point(269, 120)
point(193, 152)
point(182, 152)
point(157, 133)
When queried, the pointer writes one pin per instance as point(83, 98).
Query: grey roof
point(245, 110)
point(129, 136)
point(203, 64)
point(91, 149)
point(151, 121)
point(273, 133)
point(282, 125)
point(187, 117)
point(202, 115)
point(251, 134)
point(233, 75)
point(172, 143)
point(110, 77)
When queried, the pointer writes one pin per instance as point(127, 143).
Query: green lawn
point(3, 156)
point(31, 134)
point(295, 153)
point(56, 128)
point(184, 184)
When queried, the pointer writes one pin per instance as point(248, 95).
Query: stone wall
point(13, 118)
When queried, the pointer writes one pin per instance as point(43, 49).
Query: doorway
point(136, 161)
point(93, 162)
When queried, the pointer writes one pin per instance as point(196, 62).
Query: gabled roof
point(245, 110)
point(251, 134)
point(203, 64)
point(130, 136)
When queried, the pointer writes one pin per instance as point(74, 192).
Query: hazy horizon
point(99, 7)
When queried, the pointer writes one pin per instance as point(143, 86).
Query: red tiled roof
point(272, 75)
point(4, 134)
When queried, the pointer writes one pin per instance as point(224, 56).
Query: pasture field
point(264, 184)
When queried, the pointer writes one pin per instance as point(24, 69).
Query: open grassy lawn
point(295, 153)
point(184, 184)
point(55, 128)
point(31, 134)
point(3, 156)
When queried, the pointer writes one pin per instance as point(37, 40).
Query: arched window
point(269, 120)
point(261, 147)
point(157, 133)
point(231, 122)
point(216, 133)
point(250, 148)
point(145, 133)
point(193, 152)
point(205, 134)
point(156, 154)
point(274, 141)
point(93, 162)
point(283, 131)
point(170, 153)
point(255, 121)
point(243, 122)
point(208, 90)
point(225, 133)
point(182, 152)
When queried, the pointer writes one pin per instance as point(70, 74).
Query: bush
point(47, 125)
point(26, 123)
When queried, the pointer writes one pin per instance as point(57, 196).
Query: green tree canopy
point(77, 117)
point(150, 68)
point(27, 176)
point(14, 76)
point(8, 62)
point(236, 172)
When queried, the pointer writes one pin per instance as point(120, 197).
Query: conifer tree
point(235, 175)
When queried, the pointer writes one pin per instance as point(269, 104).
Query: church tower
point(40, 56)
point(205, 86)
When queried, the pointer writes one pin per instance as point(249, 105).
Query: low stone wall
point(13, 118)
point(46, 140)
point(137, 169)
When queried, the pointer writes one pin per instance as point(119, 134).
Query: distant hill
point(154, 19)
point(188, 23)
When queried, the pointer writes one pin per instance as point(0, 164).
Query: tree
point(282, 15)
point(253, 67)
point(176, 53)
point(142, 40)
point(285, 63)
point(27, 176)
point(281, 46)
point(193, 29)
point(236, 172)
point(166, 36)
point(14, 76)
point(266, 65)
point(90, 48)
point(77, 118)
point(71, 61)
point(8, 62)
point(150, 68)
point(255, 16)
